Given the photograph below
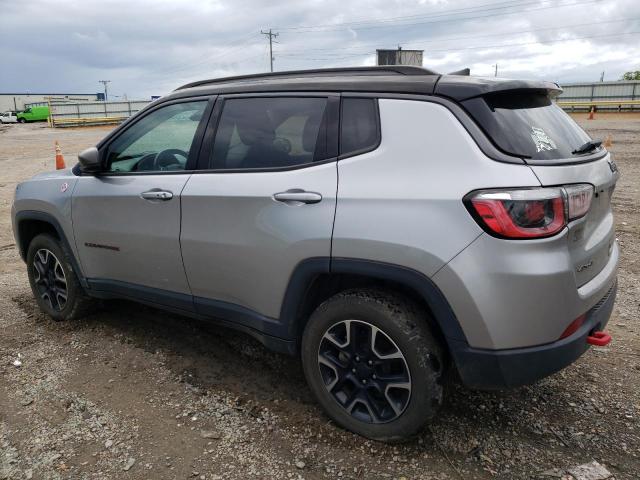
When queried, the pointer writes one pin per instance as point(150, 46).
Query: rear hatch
point(525, 122)
point(591, 237)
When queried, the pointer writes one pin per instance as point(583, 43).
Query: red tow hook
point(599, 339)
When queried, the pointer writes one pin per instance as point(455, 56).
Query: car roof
point(403, 79)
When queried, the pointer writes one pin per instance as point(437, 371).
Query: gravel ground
point(132, 392)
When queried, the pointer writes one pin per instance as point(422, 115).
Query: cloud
point(149, 47)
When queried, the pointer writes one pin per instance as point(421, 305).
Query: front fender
point(47, 198)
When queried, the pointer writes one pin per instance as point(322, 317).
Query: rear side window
point(270, 133)
point(359, 126)
point(528, 125)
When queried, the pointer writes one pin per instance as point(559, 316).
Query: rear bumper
point(496, 369)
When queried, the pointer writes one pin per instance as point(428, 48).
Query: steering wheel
point(167, 158)
point(161, 161)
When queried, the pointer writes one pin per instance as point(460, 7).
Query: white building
point(17, 101)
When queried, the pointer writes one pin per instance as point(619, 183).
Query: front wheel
point(373, 363)
point(22, 120)
point(54, 284)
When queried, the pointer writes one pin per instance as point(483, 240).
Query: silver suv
point(389, 225)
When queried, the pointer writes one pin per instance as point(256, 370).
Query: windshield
point(528, 125)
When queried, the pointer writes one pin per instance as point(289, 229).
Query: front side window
point(270, 133)
point(161, 141)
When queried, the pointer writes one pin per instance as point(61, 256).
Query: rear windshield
point(527, 125)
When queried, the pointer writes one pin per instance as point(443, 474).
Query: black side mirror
point(90, 160)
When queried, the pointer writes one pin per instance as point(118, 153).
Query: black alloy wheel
point(365, 371)
point(50, 280)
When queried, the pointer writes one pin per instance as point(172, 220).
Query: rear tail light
point(529, 213)
point(578, 200)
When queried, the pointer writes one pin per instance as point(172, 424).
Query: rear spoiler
point(464, 72)
point(462, 88)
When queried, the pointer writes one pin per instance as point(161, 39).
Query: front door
point(267, 203)
point(127, 219)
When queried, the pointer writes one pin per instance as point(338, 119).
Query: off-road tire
point(78, 303)
point(407, 325)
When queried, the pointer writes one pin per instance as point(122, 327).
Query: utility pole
point(602, 77)
point(271, 36)
point(104, 82)
point(496, 72)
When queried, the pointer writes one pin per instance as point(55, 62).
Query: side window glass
point(161, 141)
point(270, 133)
point(358, 125)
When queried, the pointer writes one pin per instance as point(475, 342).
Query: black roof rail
point(378, 70)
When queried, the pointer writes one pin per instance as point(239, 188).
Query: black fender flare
point(25, 215)
point(307, 270)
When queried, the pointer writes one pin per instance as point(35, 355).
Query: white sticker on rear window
point(542, 140)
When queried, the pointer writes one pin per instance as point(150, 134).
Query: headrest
point(255, 129)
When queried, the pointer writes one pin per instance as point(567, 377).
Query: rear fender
point(302, 279)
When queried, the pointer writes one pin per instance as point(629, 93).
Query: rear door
point(127, 219)
point(265, 202)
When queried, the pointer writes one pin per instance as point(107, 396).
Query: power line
point(454, 11)
point(509, 4)
point(421, 43)
point(233, 47)
point(477, 47)
point(271, 37)
point(390, 24)
point(451, 15)
point(343, 53)
point(542, 42)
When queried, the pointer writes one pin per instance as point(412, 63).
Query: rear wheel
point(54, 284)
point(22, 120)
point(373, 364)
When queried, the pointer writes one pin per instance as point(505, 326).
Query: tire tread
point(413, 323)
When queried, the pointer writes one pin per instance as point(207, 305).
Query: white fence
point(613, 96)
point(93, 113)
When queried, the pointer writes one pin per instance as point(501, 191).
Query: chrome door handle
point(297, 195)
point(157, 195)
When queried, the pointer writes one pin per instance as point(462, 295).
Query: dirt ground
point(135, 393)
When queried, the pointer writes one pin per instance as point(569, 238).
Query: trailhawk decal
point(98, 245)
point(542, 140)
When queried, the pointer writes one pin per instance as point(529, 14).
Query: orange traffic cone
point(591, 112)
point(59, 158)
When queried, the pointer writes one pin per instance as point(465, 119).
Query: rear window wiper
point(587, 147)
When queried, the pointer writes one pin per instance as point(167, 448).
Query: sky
point(150, 47)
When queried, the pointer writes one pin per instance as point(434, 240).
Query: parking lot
point(133, 392)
